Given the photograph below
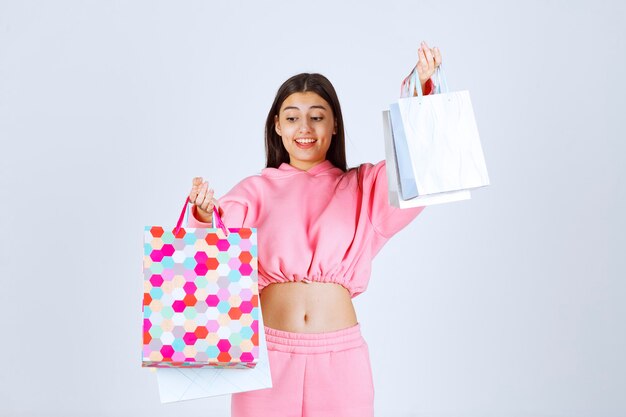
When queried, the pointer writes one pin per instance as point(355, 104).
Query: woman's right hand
point(202, 197)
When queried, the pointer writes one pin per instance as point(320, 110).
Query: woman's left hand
point(428, 61)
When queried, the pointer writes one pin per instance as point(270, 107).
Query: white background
point(510, 304)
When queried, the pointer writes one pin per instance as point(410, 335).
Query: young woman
point(319, 225)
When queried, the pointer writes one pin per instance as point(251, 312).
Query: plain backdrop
point(511, 304)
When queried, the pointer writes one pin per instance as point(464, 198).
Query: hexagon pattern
point(201, 298)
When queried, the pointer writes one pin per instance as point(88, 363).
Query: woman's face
point(306, 125)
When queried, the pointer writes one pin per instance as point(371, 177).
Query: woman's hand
point(202, 198)
point(428, 61)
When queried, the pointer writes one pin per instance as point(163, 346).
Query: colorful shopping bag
point(436, 142)
point(201, 300)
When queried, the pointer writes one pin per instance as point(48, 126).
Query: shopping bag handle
point(415, 85)
point(217, 219)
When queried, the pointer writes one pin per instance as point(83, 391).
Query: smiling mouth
point(305, 141)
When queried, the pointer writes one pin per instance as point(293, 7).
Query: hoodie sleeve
point(386, 219)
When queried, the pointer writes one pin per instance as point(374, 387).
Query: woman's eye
point(317, 119)
point(290, 119)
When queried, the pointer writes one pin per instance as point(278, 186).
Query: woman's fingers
point(201, 196)
point(202, 190)
point(207, 204)
point(204, 199)
point(197, 181)
point(430, 61)
point(437, 56)
point(421, 61)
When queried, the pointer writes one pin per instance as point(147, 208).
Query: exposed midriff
point(307, 307)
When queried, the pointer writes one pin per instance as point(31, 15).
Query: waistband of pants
point(335, 341)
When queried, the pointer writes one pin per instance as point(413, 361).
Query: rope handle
point(217, 219)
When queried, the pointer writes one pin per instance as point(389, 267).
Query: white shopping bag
point(437, 136)
point(179, 384)
point(394, 177)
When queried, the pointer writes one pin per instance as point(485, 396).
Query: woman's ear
point(335, 128)
point(277, 125)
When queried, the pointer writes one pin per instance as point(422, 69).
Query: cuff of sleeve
point(429, 87)
point(193, 220)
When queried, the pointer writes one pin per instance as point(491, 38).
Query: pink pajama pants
point(313, 375)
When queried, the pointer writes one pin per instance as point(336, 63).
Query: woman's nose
point(304, 126)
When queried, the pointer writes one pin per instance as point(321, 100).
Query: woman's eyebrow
point(318, 106)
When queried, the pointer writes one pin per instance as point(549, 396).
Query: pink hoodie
point(318, 225)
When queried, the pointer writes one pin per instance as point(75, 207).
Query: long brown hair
point(275, 152)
